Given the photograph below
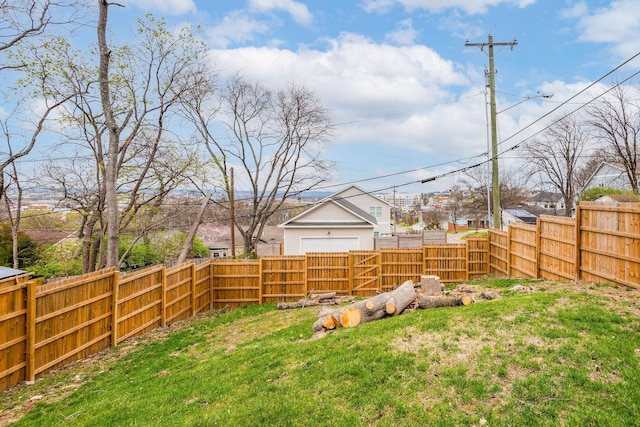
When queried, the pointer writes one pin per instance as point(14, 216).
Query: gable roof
point(602, 165)
point(361, 219)
point(358, 190)
point(547, 196)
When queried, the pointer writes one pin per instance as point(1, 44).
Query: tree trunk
point(374, 308)
point(298, 304)
point(188, 243)
point(427, 301)
point(400, 298)
point(111, 167)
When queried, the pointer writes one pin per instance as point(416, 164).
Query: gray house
point(609, 175)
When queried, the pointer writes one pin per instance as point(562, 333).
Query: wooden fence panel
point(557, 251)
point(328, 272)
point(523, 260)
point(447, 261)
point(202, 287)
point(236, 283)
point(610, 243)
point(283, 278)
point(365, 273)
point(139, 303)
point(72, 319)
point(498, 252)
point(477, 257)
point(13, 333)
point(400, 265)
point(179, 292)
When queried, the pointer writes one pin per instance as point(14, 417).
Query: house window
point(375, 211)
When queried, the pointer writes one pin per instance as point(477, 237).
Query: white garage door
point(328, 244)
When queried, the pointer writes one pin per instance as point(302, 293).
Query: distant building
point(403, 202)
point(518, 215)
point(347, 220)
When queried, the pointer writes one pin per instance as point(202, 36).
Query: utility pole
point(495, 179)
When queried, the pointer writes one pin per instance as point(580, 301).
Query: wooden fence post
point(115, 314)
point(260, 282)
point(466, 259)
point(306, 276)
point(163, 304)
point(509, 251)
point(30, 323)
point(349, 273)
point(211, 284)
point(578, 249)
point(193, 289)
point(538, 246)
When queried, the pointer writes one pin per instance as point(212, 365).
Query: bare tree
point(477, 183)
point(555, 157)
point(125, 157)
point(274, 142)
point(616, 121)
point(24, 24)
point(455, 206)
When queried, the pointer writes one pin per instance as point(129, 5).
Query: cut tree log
point(298, 304)
point(490, 295)
point(328, 319)
point(400, 298)
point(373, 308)
point(429, 301)
point(322, 296)
point(430, 285)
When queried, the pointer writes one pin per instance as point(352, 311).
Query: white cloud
point(380, 93)
point(616, 24)
point(577, 10)
point(170, 7)
point(298, 11)
point(236, 27)
point(404, 35)
point(469, 6)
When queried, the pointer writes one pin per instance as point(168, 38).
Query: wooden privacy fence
point(600, 245)
point(48, 326)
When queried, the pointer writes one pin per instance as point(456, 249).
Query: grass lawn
point(564, 354)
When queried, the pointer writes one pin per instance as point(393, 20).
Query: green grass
point(562, 355)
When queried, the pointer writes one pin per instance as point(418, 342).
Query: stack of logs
point(428, 293)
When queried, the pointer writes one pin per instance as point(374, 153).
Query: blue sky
point(404, 92)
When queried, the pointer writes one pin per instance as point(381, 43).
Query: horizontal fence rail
point(44, 327)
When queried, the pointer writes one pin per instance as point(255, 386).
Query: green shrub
point(27, 248)
point(592, 194)
point(60, 260)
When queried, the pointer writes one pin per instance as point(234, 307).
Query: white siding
point(329, 212)
point(293, 237)
point(365, 201)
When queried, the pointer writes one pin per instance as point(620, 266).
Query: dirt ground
point(18, 400)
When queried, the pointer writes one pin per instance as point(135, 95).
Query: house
point(518, 215)
point(551, 201)
point(347, 220)
point(609, 175)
